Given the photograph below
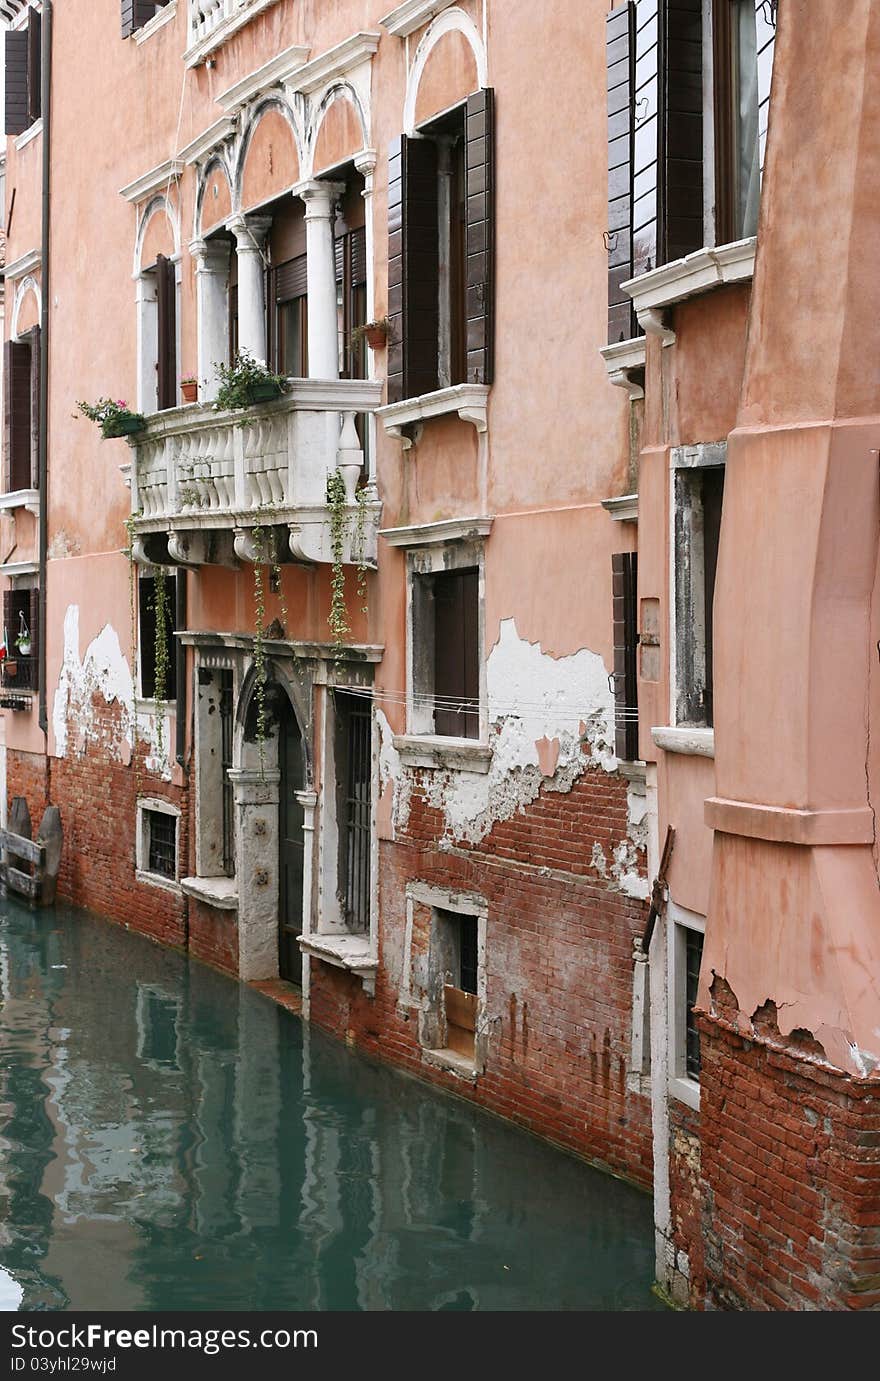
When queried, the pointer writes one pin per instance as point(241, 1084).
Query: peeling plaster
point(103, 671)
point(550, 719)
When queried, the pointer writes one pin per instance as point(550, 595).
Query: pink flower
point(121, 403)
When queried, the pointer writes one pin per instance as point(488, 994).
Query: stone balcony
point(202, 480)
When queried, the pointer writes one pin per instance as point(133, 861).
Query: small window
point(354, 775)
point(699, 494)
point(624, 574)
point(21, 429)
point(19, 668)
point(446, 661)
point(693, 959)
point(685, 955)
point(136, 13)
point(457, 946)
point(148, 643)
point(744, 32)
point(161, 832)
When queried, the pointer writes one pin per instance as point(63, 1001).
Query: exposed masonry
point(565, 725)
point(103, 671)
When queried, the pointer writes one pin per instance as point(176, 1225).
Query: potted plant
point(244, 382)
point(23, 641)
point(376, 333)
point(189, 388)
point(115, 418)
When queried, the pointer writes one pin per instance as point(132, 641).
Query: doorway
point(290, 843)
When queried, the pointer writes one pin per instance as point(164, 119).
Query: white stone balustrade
point(196, 471)
point(211, 22)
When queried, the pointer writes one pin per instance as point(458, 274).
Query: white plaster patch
point(104, 670)
point(392, 774)
point(632, 851)
point(11, 1293)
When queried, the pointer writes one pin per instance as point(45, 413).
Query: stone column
point(250, 235)
point(212, 299)
point(256, 857)
point(147, 343)
point(320, 200)
point(366, 165)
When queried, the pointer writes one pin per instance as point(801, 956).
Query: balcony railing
point(206, 479)
point(211, 22)
point(18, 681)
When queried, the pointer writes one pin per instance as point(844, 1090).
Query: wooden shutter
point(413, 282)
point(619, 64)
point(624, 570)
point(358, 240)
point(33, 618)
point(456, 654)
point(17, 420)
point(34, 30)
point(34, 334)
point(480, 222)
point(166, 294)
point(291, 279)
point(682, 169)
point(16, 81)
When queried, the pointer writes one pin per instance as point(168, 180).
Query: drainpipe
point(43, 467)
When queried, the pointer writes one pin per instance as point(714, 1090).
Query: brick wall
point(787, 1180)
point(559, 970)
point(213, 936)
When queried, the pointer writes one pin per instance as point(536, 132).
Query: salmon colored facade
point(390, 756)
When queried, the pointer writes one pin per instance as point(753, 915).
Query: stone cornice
point(404, 19)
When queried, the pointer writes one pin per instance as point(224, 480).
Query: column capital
point(365, 162)
point(320, 198)
point(211, 256)
point(250, 232)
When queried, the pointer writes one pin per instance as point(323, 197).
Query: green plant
point(132, 610)
point(160, 687)
point(260, 645)
point(241, 379)
point(340, 629)
point(115, 418)
point(360, 537)
point(372, 330)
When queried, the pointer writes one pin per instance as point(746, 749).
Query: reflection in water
point(171, 1140)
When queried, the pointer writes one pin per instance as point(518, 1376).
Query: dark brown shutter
point(456, 654)
point(33, 618)
point(16, 81)
point(35, 406)
point(619, 63)
point(166, 293)
point(291, 279)
point(8, 631)
point(17, 421)
point(480, 220)
point(34, 65)
point(339, 256)
point(413, 280)
point(624, 570)
point(358, 256)
point(682, 170)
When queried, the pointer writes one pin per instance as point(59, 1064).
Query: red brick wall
point(97, 799)
point(213, 936)
point(789, 1181)
point(559, 970)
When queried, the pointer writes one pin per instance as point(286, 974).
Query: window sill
point(696, 274)
point(158, 21)
point(221, 893)
point(29, 134)
point(203, 47)
point(624, 509)
point(156, 880)
point(351, 952)
point(677, 739)
point(625, 363)
point(464, 755)
point(686, 1091)
point(22, 498)
point(454, 1063)
point(470, 401)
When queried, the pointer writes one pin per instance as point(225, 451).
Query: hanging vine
point(340, 629)
point(260, 666)
point(360, 537)
point(160, 685)
point(133, 612)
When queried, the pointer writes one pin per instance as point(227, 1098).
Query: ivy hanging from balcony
point(244, 382)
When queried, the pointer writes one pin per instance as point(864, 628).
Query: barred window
point(162, 843)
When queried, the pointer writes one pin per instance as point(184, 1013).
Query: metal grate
point(693, 959)
point(163, 843)
point(357, 820)
point(226, 716)
point(467, 952)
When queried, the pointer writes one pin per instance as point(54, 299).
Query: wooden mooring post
point(30, 867)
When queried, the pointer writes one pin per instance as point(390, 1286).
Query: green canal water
point(170, 1139)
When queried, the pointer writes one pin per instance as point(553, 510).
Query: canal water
point(170, 1139)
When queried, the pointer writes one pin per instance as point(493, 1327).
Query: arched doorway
point(291, 764)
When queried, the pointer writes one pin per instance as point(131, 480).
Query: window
point(157, 309)
point(289, 321)
point(446, 653)
point(136, 13)
point(699, 492)
point(351, 298)
point(667, 194)
point(215, 802)
point(441, 253)
point(19, 670)
point(624, 576)
point(21, 432)
point(685, 951)
point(354, 772)
point(147, 640)
point(23, 59)
point(457, 936)
point(228, 802)
point(156, 843)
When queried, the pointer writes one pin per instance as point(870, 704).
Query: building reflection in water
point(172, 1140)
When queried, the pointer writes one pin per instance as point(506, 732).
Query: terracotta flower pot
point(189, 390)
point(376, 337)
point(10, 667)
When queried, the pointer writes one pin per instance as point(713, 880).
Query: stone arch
point(450, 21)
point(338, 128)
point(149, 233)
point(254, 184)
point(24, 316)
point(280, 679)
point(213, 197)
